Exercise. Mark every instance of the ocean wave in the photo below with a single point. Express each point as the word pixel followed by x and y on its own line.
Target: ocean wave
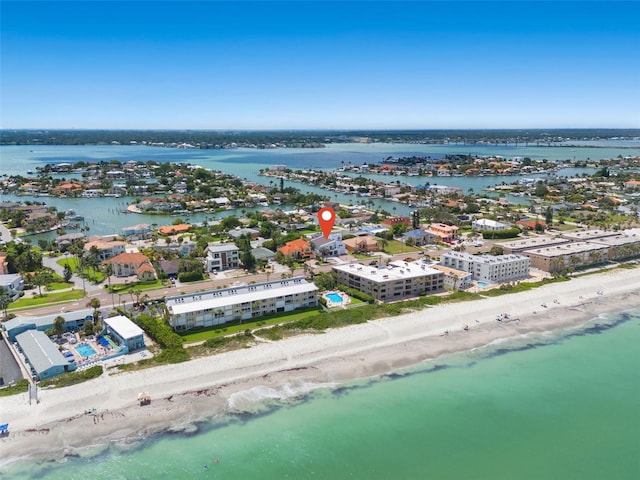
pixel 261 396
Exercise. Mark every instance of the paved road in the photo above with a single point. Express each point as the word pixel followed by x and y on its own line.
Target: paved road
pixel 5 235
pixel 224 279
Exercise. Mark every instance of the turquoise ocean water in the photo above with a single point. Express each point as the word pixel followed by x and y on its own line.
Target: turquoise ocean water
pixel 565 406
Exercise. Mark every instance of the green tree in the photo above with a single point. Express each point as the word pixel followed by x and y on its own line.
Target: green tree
pixel 548 215
pixel 5 300
pixel 95 304
pixel 248 260
pixel 67 273
pixel 88 327
pixel 40 278
pixel 540 190
pixel 58 325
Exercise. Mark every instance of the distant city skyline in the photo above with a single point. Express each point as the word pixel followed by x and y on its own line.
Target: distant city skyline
pixel 319 65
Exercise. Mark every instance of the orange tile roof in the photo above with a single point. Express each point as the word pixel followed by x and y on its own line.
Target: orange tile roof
pixel 294 246
pixel 129 258
pixel 145 267
pixel 169 229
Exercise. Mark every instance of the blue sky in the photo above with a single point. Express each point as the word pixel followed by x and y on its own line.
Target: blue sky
pixel 325 65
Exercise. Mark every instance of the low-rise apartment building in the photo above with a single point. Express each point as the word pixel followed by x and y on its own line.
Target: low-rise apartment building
pixel 489 268
pixel 222 256
pixel 215 307
pixel 568 255
pixel 397 281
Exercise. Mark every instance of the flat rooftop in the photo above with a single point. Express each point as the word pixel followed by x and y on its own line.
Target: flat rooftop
pixel 219 299
pixel 394 271
pixel 589 234
pixel 567 249
pixel 123 326
pixel 533 242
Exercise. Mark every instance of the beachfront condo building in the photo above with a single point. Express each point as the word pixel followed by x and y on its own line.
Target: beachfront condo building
pixel 215 307
pixel 569 255
pixel 126 334
pixel 42 355
pixel 489 268
pixel 396 281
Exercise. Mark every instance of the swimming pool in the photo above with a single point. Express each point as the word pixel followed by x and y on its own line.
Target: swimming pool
pixel 483 284
pixel 85 350
pixel 334 297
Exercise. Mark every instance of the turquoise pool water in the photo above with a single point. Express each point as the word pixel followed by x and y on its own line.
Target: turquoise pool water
pixel 85 350
pixel 334 297
pixel 483 284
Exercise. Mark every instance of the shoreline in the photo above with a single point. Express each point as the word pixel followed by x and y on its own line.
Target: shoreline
pixel 186 394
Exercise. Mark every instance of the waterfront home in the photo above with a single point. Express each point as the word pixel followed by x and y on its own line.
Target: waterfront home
pixel 489 268
pixel 240 232
pixel 137 232
pixel 222 256
pixel 12 284
pixel 395 281
pixel 215 307
pixel 67 239
pixel 127 264
pixel 299 248
pixel 92 193
pixel 104 249
pixel 390 222
pixel 39 221
pixel 174 229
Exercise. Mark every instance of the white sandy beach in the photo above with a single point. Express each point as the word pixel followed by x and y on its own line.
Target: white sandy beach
pixel 199 389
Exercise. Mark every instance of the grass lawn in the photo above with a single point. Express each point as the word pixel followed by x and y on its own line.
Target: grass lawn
pixel 46 298
pixel 227 329
pixel 91 274
pixel 394 246
pixel 129 287
pixel 59 285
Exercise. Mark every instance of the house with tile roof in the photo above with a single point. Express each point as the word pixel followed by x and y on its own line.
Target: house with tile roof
pixel 128 264
pixel 299 248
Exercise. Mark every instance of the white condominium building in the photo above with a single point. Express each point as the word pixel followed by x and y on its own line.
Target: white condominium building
pixel 489 268
pixel 396 281
pixel 215 307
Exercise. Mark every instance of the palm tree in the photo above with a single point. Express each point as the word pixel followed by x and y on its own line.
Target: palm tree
pixel 58 325
pixel 95 304
pixel 5 300
pixel 107 269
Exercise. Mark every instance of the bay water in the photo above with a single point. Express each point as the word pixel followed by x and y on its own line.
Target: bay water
pixel 564 405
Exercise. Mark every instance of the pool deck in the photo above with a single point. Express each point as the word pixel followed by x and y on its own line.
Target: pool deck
pixel 331 304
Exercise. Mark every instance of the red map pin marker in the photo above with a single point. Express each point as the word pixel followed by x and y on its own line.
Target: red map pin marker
pixel 326 219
